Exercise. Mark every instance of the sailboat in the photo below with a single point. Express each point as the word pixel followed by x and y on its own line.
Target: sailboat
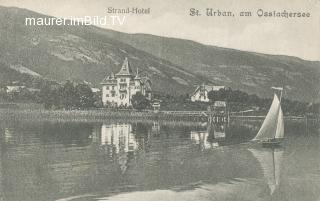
pixel 270 162
pixel 272 129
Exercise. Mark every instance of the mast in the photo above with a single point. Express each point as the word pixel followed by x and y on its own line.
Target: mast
pixel 274 166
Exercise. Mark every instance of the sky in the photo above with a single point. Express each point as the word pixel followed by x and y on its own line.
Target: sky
pixel 294 37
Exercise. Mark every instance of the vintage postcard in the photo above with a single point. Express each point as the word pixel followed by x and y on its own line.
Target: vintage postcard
pixel 150 100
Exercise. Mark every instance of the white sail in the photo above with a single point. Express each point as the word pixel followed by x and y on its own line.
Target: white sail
pixel 270 162
pixel 269 126
pixel 280 125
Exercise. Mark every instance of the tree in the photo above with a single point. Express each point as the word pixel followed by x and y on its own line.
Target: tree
pixel 69 96
pixel 220 95
pixel 3 92
pixel 86 96
pixel 50 96
pixel 213 95
pixel 139 101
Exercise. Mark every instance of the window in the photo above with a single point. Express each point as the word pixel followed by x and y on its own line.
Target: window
pixel 122 96
pixel 107 87
pixel 107 95
pixel 112 87
pixel 123 86
pixel 113 95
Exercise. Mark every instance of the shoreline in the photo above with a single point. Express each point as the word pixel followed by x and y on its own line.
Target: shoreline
pixel 105 115
pixel 96 115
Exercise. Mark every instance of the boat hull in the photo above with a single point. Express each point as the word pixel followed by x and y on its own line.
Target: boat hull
pixel 271 142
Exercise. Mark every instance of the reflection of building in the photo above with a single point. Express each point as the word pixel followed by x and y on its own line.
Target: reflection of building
pixel 201 92
pixel 219 131
pixel 212 137
pixel 118 89
pixel 120 142
pixel 155 129
pixel 201 138
pixel 119 137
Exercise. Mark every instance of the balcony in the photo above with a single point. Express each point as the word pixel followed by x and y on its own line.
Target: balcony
pixel 123 90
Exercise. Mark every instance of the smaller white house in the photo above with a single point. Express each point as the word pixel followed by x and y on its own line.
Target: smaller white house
pixel 201 92
pixel 14 89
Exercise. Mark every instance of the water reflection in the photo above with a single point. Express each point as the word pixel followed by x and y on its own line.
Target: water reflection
pixel 218 135
pixel 68 134
pixel 270 160
pixel 119 141
pixel 209 138
pixel 118 138
pixel 155 129
pixel 154 161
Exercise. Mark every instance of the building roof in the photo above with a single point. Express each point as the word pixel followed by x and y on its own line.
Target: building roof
pixel 147 83
pixel 213 88
pixel 208 88
pixel 127 71
pixel 109 80
pixel 125 68
pixel 137 77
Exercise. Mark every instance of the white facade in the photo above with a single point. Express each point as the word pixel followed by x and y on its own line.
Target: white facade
pixel 14 89
pixel 201 92
pixel 118 89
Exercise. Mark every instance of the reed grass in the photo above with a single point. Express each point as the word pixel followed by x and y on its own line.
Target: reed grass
pixel 94 115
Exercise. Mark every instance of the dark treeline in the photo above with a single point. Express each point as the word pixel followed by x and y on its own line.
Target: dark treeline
pixel 237 101
pixel 72 95
pixel 68 96
pixel 54 96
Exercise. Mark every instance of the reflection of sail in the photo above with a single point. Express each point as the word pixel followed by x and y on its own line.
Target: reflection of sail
pixel 271 122
pixel 270 161
pixel 1 166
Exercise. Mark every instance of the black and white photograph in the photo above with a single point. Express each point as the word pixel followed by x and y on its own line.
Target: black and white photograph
pixel 149 100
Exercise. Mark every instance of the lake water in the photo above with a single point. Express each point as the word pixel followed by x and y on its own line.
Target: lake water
pixel 156 161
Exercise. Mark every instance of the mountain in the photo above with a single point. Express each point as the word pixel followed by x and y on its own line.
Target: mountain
pixel 248 71
pixel 79 53
pixel 174 65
